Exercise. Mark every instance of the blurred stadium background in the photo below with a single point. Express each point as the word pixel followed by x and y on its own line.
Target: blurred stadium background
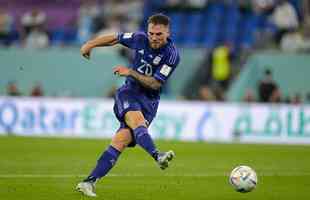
pixel 243 79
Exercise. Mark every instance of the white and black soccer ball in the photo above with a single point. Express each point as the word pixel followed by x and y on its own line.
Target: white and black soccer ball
pixel 243 179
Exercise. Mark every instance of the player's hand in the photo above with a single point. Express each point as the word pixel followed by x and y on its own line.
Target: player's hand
pixel 85 51
pixel 121 71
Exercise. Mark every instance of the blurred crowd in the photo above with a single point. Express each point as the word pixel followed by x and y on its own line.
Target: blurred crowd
pixel 92 17
pixel 269 91
pixel 12 89
pixel 284 28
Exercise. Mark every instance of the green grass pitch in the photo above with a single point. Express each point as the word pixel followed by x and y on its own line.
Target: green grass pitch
pixel 49 168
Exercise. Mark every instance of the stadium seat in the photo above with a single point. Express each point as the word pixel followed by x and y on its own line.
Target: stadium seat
pixel 231 20
pixel 14 36
pixel 70 36
pixel 210 28
pixel 193 29
pixel 247 28
pixel 176 26
pixel 57 36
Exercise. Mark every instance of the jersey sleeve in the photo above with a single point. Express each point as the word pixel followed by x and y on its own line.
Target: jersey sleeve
pixel 131 40
pixel 165 70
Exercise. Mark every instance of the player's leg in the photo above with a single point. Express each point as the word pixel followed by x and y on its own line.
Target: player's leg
pixel 136 121
pixel 109 157
pixel 129 110
pixel 106 161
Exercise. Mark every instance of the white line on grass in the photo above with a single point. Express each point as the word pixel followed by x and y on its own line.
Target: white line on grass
pixel 145 175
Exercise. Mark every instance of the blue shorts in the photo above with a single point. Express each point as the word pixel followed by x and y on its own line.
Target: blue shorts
pixel 128 99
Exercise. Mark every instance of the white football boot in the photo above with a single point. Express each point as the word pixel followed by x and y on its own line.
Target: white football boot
pixel 164 159
pixel 86 188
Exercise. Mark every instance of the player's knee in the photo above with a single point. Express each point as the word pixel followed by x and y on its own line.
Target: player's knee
pixel 121 140
pixel 134 119
pixel 119 143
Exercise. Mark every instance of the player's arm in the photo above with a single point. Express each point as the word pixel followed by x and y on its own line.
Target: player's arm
pixel 146 81
pixel 100 41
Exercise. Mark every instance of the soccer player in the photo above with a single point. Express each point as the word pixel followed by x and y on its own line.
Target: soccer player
pixel 136 102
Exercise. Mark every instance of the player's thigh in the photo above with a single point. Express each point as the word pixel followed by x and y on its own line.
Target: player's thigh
pixel 134 119
pixel 125 100
pixel 121 139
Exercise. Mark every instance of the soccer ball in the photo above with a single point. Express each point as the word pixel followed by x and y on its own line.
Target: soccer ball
pixel 243 179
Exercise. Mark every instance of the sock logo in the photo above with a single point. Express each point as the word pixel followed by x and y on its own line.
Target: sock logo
pixel 126 105
pixel 112 161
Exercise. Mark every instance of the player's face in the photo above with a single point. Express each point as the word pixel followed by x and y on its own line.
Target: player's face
pixel 157 34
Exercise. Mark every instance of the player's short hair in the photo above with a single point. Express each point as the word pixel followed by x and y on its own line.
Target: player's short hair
pixel 159 19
